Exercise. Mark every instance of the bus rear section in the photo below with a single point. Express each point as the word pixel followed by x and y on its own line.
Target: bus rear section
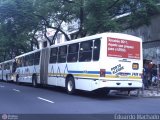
pixel 120 62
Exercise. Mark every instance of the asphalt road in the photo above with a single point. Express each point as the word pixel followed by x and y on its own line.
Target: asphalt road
pixel 24 99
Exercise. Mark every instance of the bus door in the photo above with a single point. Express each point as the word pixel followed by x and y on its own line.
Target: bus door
pixel 44 66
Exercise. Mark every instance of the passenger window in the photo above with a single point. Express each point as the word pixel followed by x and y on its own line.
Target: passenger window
pixel 73 52
pixel 7 66
pixel 62 54
pixel 26 59
pixel 18 62
pixel 86 51
pixel 14 66
pixel 96 49
pixel 21 62
pixel 31 59
pixel 53 55
pixel 36 58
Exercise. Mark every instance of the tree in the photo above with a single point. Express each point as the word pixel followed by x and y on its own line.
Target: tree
pixel 96 16
pixel 53 12
pixel 103 14
pixel 16 25
pixel 20 20
pixel 140 12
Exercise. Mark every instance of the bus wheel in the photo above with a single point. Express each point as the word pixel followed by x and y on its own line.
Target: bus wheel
pixel 34 81
pixel 6 78
pixel 17 82
pixel 70 85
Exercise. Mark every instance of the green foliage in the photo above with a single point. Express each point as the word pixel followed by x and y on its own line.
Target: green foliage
pixel 99 16
pixel 141 12
pixel 102 14
pixel 16 22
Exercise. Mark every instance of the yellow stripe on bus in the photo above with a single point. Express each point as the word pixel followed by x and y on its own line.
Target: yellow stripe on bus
pixel 96 76
pixel 87 75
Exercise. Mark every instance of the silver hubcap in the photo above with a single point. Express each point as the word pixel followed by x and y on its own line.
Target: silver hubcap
pixel 70 86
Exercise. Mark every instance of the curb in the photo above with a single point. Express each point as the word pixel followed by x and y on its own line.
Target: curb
pixel 147 94
pixel 142 94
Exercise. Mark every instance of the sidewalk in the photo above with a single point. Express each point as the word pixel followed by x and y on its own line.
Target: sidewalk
pixel 151 92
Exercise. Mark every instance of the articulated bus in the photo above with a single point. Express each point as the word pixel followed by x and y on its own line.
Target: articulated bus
pixel 104 61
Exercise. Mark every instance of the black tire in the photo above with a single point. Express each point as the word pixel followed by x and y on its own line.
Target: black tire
pixel 70 85
pixel 17 82
pixel 6 78
pixel 34 81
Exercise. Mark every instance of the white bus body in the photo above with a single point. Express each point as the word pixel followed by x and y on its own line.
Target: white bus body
pixel 119 65
pixel 27 67
pixel 107 60
pixel 6 70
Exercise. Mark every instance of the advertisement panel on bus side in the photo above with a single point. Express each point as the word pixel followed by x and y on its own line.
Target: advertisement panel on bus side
pixel 122 48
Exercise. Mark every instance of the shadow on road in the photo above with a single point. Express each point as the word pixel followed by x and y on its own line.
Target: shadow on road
pixel 80 93
pixel 109 96
pixel 90 95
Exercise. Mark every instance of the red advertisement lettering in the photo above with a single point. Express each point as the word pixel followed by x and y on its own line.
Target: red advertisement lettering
pixel 123 48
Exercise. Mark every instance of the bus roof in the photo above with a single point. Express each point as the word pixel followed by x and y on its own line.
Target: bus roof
pixel 8 61
pixel 28 53
pixel 110 34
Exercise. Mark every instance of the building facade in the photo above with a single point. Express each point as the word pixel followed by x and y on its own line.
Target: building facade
pixel 151 39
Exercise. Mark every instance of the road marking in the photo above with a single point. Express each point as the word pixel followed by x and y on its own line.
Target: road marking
pixel 16 90
pixel 2 86
pixel 45 100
